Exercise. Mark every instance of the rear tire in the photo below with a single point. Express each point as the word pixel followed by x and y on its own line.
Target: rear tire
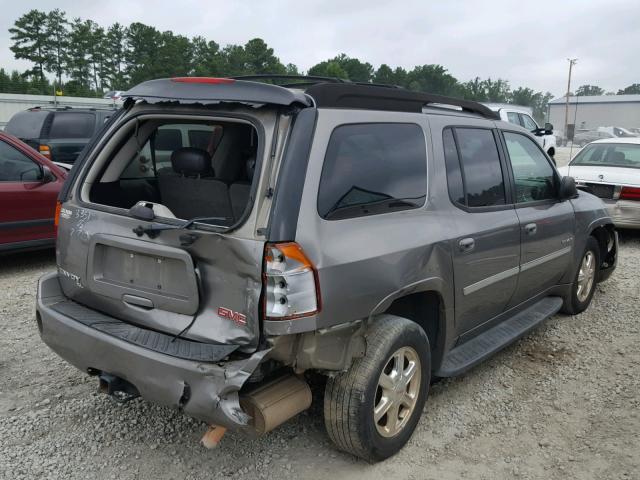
pixel 585 280
pixel 372 409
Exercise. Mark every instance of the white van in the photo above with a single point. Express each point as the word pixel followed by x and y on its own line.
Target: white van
pixel 523 116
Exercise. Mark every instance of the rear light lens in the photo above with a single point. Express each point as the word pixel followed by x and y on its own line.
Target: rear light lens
pixel 630 193
pixel 44 150
pixel 290 283
pixel 210 80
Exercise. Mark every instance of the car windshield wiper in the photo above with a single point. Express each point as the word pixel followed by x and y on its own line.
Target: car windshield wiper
pixel 155 229
pixel 391 202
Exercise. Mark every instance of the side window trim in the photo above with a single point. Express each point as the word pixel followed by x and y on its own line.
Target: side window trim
pixel 506 177
pixel 512 179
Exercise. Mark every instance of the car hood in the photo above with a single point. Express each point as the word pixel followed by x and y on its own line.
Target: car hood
pixel 609 175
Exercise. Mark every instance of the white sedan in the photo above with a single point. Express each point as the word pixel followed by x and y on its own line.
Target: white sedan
pixel 610 169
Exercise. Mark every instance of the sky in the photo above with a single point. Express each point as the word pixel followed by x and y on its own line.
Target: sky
pixel 524 42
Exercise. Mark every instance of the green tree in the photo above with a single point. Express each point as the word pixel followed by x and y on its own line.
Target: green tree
pixel 345 67
pixel 29 36
pixel 497 90
pixel 173 56
pixel 206 59
pixel 141 56
pixel 630 90
pixel 114 56
pixel 589 90
pixel 433 79
pixel 55 49
pixel 291 69
pixel 474 90
pixel 79 59
pixel 259 58
pixel 234 60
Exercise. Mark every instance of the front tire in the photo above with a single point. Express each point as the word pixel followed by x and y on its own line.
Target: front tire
pixel 584 283
pixel 372 409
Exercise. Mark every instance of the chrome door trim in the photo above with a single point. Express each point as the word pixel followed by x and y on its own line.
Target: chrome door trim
pixel 474 287
pixel 546 258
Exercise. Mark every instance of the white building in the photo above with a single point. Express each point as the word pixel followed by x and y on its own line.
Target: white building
pixel 596 111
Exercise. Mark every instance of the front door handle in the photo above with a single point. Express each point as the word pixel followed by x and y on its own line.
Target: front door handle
pixel 531 228
pixel 466 244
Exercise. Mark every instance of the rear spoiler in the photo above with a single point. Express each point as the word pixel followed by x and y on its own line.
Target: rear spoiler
pixel 209 90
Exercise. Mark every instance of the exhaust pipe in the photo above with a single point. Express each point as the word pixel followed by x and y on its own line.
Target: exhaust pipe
pixel 275 402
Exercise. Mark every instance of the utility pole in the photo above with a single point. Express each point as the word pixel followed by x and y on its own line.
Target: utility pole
pixel 572 62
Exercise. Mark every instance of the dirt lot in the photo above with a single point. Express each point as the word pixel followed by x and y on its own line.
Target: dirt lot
pixel 563 403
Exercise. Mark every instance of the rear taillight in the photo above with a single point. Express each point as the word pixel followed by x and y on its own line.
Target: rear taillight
pixel 56 217
pixel 44 150
pixel 630 193
pixel 291 288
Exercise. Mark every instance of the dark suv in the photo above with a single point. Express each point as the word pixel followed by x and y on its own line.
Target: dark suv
pixel 221 239
pixel 59 134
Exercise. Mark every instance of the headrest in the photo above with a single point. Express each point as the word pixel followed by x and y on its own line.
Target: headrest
pixel 191 162
pixel 250 167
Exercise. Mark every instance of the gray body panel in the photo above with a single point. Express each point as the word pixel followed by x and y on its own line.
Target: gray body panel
pixel 363 264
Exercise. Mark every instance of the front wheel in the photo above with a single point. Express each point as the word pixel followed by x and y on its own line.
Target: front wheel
pixel 584 283
pixel 372 409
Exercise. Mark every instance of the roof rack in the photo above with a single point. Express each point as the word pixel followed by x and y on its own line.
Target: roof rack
pixel 373 97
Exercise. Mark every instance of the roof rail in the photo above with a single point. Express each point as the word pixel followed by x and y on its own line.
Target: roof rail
pixel 373 97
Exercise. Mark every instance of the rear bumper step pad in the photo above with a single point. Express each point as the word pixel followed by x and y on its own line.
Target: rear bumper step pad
pixel 156 341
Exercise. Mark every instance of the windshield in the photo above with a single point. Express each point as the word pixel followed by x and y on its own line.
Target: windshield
pixel 609 155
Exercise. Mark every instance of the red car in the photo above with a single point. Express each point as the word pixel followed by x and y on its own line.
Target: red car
pixel 29 186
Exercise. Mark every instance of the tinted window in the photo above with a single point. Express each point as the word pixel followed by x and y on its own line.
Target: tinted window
pixel 72 125
pixel 534 177
pixel 371 169
pixel 27 125
pixel 168 139
pixel 454 176
pixel 17 167
pixel 481 170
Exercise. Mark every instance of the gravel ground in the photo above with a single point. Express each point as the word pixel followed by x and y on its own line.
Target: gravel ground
pixel 563 403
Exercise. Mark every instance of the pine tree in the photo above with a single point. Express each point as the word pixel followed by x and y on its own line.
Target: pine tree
pixel 29 36
pixel 55 49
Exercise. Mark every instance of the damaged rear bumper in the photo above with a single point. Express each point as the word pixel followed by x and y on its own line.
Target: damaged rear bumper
pixel 206 391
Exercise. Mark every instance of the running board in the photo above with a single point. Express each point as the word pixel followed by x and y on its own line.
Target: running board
pixel 472 352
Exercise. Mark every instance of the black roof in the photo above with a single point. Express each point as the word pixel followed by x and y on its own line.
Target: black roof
pixel 206 90
pixel 345 95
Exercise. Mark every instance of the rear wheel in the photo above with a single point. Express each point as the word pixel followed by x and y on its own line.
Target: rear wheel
pixel 372 409
pixel 584 283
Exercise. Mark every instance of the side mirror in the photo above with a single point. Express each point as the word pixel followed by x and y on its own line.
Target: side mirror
pixel 568 188
pixel 548 127
pixel 47 175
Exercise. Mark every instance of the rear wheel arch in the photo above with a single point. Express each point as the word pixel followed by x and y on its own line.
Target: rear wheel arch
pixel 427 309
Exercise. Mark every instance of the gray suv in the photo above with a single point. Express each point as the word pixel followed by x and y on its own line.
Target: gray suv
pixel 223 241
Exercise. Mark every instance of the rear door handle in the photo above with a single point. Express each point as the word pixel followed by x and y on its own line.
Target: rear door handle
pixel 531 228
pixel 466 244
pixel 138 301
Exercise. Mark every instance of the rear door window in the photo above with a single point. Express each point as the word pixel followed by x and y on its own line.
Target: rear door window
pixel 370 169
pixel 27 125
pixel 72 125
pixel 481 169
